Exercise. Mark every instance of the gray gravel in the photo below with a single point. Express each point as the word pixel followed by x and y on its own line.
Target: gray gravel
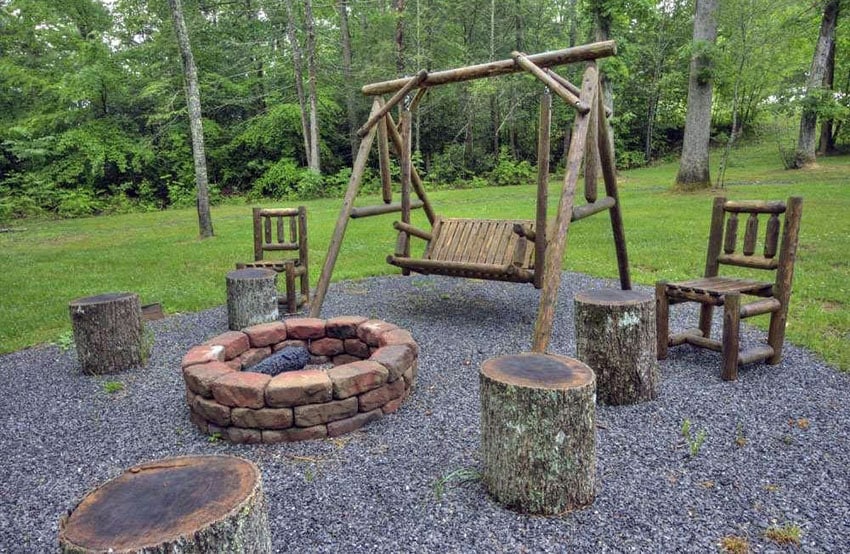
pixel 63 434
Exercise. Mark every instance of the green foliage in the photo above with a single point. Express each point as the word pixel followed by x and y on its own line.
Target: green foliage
pixel 694 441
pixel 65 341
pixel 458 476
pixel 113 387
pixel 279 181
pixel 788 534
pixel 509 172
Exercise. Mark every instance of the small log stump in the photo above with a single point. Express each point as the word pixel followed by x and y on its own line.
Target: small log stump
pixel 538 434
pixel 251 297
pixel 108 332
pixel 615 336
pixel 190 504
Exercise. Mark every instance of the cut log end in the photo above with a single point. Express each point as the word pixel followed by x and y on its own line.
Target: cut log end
pixel 250 273
pixel 539 371
pixel 166 502
pixel 101 298
pixel 611 297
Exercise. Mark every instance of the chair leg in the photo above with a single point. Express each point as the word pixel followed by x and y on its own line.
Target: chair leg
pixel 305 286
pixel 662 323
pixel 731 335
pixel 291 304
pixel 776 333
pixel 705 313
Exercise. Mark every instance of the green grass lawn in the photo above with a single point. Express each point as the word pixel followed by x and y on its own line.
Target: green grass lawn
pixel 158 256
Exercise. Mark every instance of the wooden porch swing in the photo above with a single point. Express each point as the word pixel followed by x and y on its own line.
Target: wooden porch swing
pixel 514 250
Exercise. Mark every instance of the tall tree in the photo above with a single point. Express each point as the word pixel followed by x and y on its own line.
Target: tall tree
pixel 193 101
pixel 805 153
pixel 292 37
pixel 348 85
pixel 315 164
pixel 693 166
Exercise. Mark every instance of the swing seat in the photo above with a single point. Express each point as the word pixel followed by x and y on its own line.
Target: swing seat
pixel 491 249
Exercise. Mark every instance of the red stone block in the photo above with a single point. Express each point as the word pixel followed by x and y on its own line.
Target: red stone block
pixel 344 327
pixel 199 377
pixel 264 418
pixel 380 396
pixel 199 421
pixel 305 328
pixel 203 354
pixel 235 364
pixel 349 424
pixel 212 411
pixel 345 359
pixel 357 347
pixel 266 334
pixel 234 343
pixel 392 406
pixel 317 414
pixel 326 347
pixel 399 336
pixel 370 331
pixel 295 388
pixel 244 436
pixel 253 356
pixel 411 373
pixel 241 389
pixel 397 358
pixel 295 434
pixel 357 377
pixel 289 342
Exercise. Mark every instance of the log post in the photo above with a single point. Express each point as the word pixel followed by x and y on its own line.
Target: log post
pixel 615 336
pixel 184 504
pixel 108 332
pixel 252 297
pixel 538 440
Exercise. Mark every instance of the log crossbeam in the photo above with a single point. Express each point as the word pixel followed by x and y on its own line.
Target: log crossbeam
pixel 411 84
pixel 565 93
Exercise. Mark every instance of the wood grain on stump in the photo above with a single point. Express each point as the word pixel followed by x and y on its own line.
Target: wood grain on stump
pixel 108 332
pixel 538 435
pixel 615 336
pixel 189 504
pixel 251 297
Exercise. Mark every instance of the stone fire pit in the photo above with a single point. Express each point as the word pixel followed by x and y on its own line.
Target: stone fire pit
pixel 374 368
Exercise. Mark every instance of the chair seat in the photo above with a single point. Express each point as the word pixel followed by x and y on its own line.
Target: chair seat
pixel 712 289
pixel 278 265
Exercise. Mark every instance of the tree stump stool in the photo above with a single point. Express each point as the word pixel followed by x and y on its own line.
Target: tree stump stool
pixel 191 504
pixel 615 336
pixel 251 297
pixel 538 434
pixel 108 332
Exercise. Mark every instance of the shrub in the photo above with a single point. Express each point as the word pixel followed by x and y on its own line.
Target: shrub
pixel 509 172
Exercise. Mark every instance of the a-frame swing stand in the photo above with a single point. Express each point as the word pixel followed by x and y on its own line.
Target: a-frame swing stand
pixel 523 251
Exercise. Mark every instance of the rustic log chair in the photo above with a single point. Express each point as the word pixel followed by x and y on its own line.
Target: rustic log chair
pixel 295 221
pixel 713 290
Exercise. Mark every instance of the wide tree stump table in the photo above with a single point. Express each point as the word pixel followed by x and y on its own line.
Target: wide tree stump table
pixel 615 336
pixel 538 433
pixel 191 504
pixel 108 332
pixel 251 297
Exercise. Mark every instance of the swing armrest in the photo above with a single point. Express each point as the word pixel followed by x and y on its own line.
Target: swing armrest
pixel 411 230
pixel 524 231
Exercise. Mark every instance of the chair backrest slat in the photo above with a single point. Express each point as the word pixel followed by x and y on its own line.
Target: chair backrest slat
pixel 270 231
pixel 731 233
pixel 751 234
pixel 771 239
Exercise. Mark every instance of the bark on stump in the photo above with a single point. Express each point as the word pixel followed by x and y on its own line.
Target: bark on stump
pixel 108 332
pixel 538 434
pixel 251 297
pixel 615 336
pixel 191 504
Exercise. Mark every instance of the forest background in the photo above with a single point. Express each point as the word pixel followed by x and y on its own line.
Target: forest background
pixel 93 112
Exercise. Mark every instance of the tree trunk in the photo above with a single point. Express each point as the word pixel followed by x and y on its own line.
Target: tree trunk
pixel 184 504
pixel 805 153
pixel 693 166
pixel 398 8
pixel 315 165
pixel 108 332
pixel 826 144
pixel 538 432
pixel 299 81
pixel 350 104
pixel 193 101
pixel 251 297
pixel 615 336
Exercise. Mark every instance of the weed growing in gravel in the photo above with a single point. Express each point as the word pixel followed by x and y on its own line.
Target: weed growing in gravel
pixel 112 387
pixel 462 475
pixel 734 545
pixel 790 533
pixel 694 441
pixel 214 438
pixel 65 341
pixel 740 438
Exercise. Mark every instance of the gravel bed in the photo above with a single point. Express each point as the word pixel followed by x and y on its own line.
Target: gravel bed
pixel 406 482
